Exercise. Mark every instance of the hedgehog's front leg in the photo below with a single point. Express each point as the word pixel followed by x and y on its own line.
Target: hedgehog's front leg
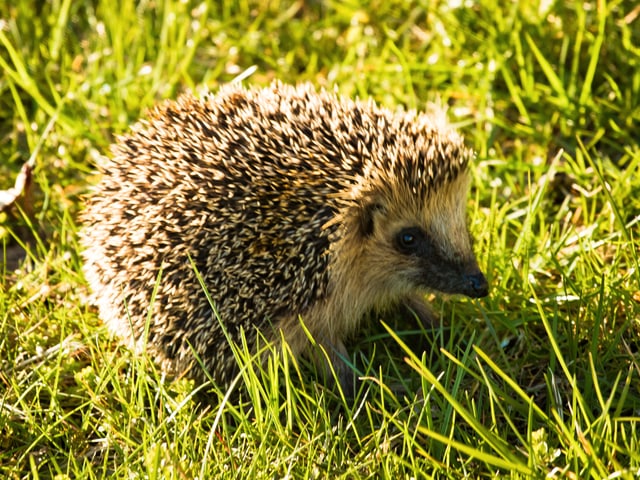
pixel 331 358
pixel 325 349
pixel 417 306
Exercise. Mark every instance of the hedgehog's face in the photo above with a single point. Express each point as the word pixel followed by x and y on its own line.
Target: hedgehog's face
pixel 412 247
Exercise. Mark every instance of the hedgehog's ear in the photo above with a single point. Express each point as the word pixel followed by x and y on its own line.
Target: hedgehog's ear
pixel 366 217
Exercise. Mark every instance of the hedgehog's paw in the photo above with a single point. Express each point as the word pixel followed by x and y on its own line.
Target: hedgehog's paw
pixel 342 371
pixel 333 365
pixel 423 329
pixel 418 307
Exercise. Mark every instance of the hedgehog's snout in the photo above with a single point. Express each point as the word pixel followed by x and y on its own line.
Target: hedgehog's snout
pixel 477 285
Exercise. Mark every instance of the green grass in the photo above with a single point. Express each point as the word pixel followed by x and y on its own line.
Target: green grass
pixel 541 378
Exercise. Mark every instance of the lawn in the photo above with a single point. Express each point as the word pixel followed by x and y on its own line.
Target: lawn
pixel 540 379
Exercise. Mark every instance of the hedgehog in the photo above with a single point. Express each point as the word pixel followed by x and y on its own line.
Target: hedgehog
pixel 293 211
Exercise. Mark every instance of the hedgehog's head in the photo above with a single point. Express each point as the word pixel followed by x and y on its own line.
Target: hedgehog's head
pixel 408 218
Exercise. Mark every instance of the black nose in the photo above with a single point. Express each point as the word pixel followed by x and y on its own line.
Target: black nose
pixel 477 284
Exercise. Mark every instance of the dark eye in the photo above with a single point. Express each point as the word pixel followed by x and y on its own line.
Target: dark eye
pixel 408 240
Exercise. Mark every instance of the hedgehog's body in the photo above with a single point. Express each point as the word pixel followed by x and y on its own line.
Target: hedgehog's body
pixel 291 204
